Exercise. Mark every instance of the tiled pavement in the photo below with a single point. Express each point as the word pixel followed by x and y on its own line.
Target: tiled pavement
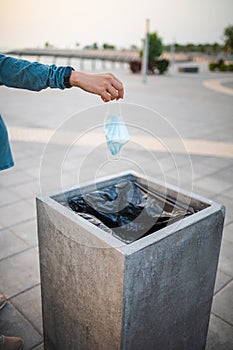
pixel 196 112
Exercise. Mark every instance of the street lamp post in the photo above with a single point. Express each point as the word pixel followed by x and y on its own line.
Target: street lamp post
pixel 145 52
pixel 172 54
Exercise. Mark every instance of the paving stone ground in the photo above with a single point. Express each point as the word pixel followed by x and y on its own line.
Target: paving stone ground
pixel 204 121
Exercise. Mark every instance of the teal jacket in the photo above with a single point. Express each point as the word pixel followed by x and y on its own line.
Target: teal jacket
pixel 22 74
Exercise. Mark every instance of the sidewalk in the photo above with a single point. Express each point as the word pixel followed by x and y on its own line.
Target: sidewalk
pixel 203 118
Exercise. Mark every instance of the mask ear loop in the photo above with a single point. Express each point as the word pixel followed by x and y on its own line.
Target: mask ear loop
pixel 120 110
pixel 118 156
pixel 110 157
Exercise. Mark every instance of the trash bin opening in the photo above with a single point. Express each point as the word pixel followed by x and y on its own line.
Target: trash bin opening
pixel 128 209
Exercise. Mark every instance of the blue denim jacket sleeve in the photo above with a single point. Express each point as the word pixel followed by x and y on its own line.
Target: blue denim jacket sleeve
pixel 34 76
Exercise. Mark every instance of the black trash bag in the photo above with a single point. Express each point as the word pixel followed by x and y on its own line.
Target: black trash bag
pixel 92 219
pixel 129 209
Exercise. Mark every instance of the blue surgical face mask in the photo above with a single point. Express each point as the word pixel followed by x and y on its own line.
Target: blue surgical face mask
pixel 116 133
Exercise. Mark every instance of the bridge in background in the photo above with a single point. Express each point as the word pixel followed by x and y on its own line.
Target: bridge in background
pixel 103 55
pixel 121 56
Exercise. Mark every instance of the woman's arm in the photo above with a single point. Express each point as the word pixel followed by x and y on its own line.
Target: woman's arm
pixel 35 76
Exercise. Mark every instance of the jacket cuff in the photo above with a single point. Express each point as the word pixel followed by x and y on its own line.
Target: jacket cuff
pixel 67 74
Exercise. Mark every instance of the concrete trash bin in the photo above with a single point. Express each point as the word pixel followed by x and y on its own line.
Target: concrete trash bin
pixel 100 293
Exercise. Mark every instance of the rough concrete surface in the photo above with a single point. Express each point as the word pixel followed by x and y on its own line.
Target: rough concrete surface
pixel 154 292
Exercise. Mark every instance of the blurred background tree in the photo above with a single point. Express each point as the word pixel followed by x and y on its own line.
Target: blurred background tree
pixel 155 48
pixel 94 46
pixel 228 34
pixel 133 47
pixel 154 52
pixel 107 46
pixel 207 48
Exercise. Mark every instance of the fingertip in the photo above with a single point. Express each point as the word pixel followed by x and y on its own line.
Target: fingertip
pixel 105 100
pixel 121 95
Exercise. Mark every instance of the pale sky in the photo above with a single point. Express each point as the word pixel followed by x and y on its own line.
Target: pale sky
pixel 30 23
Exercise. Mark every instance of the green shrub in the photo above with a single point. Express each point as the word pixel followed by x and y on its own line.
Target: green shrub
pixel 221 66
pixel 162 65
pixel 212 66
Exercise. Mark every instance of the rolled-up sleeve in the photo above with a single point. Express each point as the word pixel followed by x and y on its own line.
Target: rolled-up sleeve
pixel 33 76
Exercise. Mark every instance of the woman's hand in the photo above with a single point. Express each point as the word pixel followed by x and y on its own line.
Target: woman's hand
pixel 106 85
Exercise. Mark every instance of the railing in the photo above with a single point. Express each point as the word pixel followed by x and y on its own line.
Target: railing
pixel 104 55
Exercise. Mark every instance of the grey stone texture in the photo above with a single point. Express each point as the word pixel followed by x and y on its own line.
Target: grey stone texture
pixel 40 347
pixel 29 304
pixel 15 213
pixel 228 233
pixel 11 244
pixel 100 293
pixel 13 323
pixel 225 260
pixel 221 304
pixel 220 336
pixel 27 232
pixel 85 311
pixel 19 272
pixel 222 280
